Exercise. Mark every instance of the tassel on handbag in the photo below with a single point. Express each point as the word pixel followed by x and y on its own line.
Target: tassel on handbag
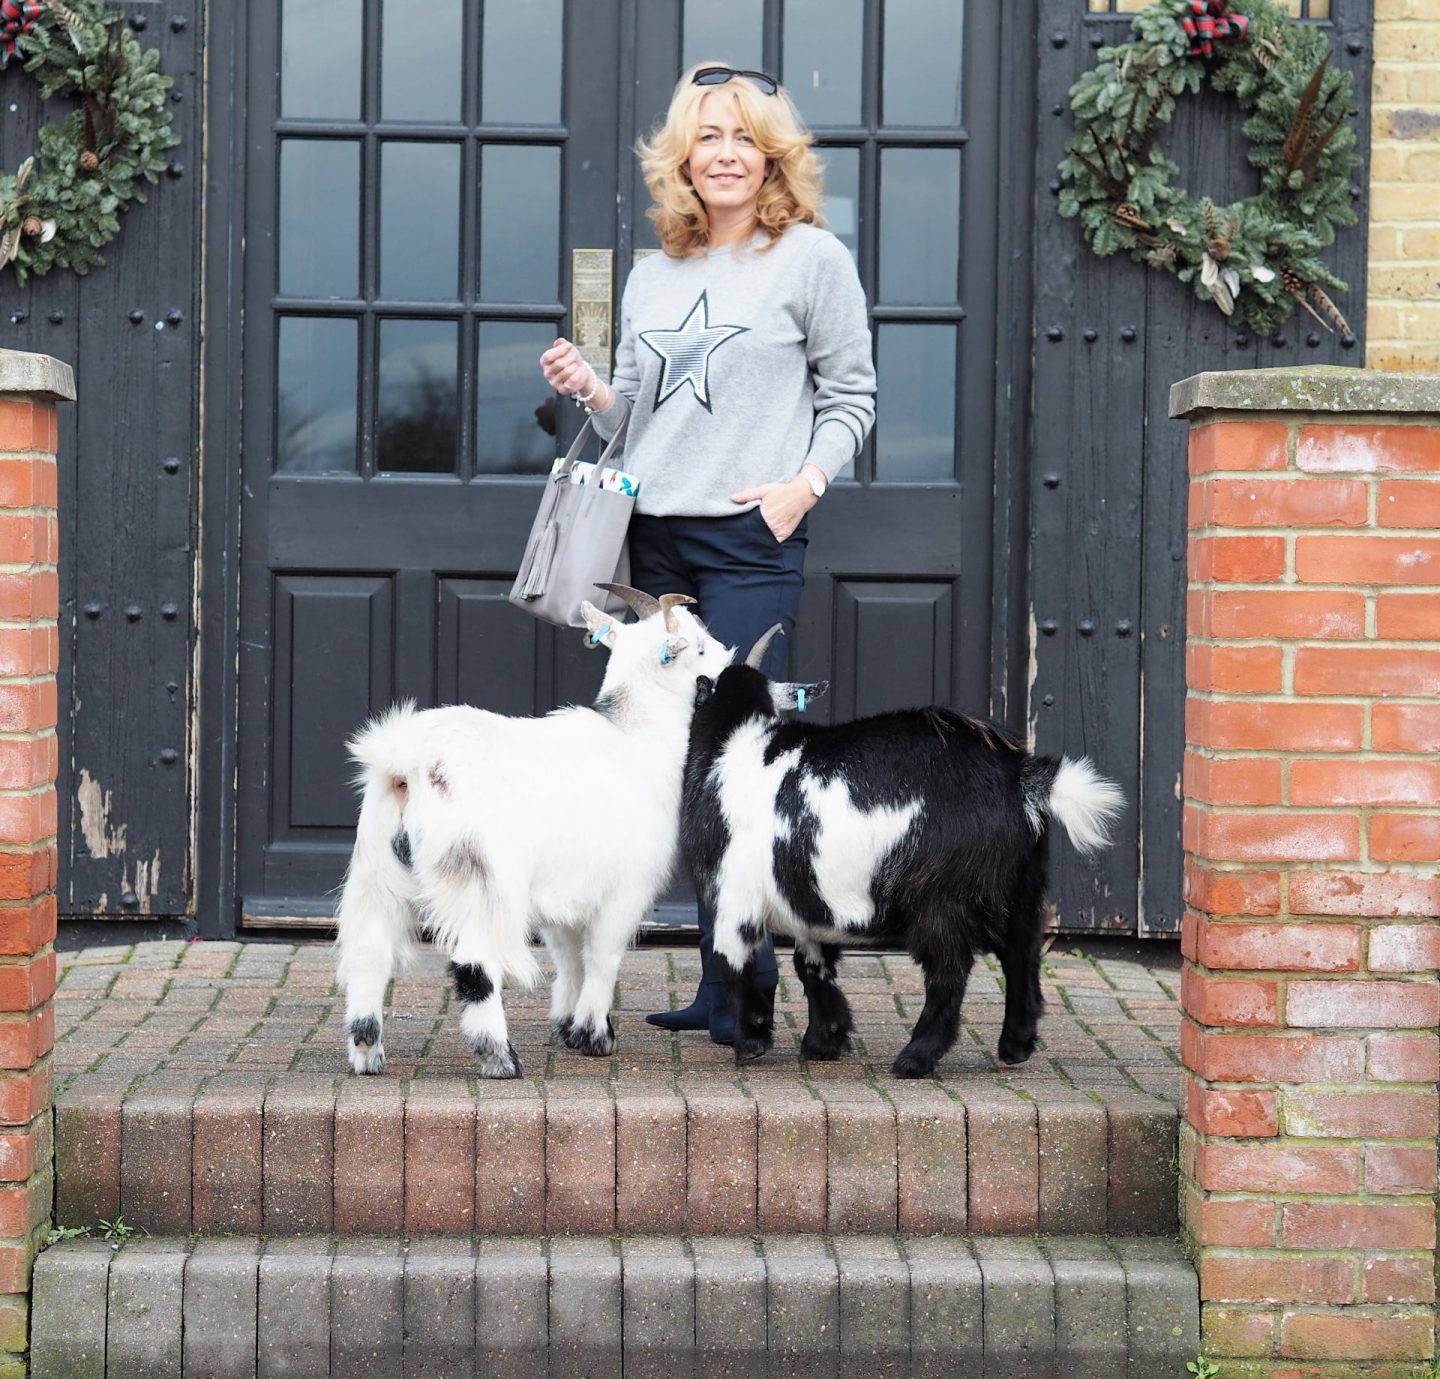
pixel 538 569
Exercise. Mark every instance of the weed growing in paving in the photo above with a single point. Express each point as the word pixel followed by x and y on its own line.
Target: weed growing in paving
pixel 68 1233
pixel 1202 1367
pixel 119 1231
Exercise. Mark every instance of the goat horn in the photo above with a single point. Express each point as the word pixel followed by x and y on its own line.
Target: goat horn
pixel 643 605
pixel 757 652
pixel 669 601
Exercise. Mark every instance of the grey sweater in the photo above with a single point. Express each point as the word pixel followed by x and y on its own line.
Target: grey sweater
pixel 736 368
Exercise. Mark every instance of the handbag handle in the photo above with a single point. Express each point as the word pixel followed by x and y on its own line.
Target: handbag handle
pixel 578 444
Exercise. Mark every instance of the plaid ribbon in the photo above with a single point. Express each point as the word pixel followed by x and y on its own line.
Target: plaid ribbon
pixel 1207 21
pixel 17 18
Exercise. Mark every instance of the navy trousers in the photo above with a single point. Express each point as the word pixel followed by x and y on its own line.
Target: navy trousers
pixel 745 581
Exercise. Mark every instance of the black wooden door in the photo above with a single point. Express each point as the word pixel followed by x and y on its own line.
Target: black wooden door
pixel 408 258
pixel 1108 471
pixel 417 180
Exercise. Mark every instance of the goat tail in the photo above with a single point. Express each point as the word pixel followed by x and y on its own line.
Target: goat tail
pixel 1076 795
pixel 382 748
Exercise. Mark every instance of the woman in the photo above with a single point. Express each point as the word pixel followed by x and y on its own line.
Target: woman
pixel 744 369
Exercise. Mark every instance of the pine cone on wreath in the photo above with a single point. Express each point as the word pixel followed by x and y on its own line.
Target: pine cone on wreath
pixel 1126 214
pixel 32 225
pixel 89 161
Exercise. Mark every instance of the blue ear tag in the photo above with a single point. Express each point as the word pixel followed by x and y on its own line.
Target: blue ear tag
pixel 800 699
pixel 665 656
pixel 594 639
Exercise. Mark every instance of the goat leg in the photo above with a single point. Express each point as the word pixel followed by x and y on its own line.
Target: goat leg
pixel 1023 1004
pixel 939 1023
pixel 752 1005
pixel 827 1036
pixel 482 1020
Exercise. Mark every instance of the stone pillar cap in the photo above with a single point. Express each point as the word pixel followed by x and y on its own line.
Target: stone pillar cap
pixel 36 375
pixel 1319 388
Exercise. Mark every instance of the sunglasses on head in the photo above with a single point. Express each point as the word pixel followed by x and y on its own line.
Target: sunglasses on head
pixel 718 76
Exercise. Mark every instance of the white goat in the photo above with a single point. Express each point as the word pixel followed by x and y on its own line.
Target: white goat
pixel 482 830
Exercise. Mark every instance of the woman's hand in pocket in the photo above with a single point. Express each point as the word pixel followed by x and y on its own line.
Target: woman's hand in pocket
pixel 781 505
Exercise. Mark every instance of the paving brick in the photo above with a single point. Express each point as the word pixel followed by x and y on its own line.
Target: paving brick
pixel 293 1310
pixel 864 1189
pixel 1143 1192
pixel 68 1311
pixel 87 1153
pixel 792 1164
pixel 1019 1308
pixel 369 1155
pixel 226 1151
pixel 1162 1302
pixel 649 1163
pixel 1003 1163
pixel 658 1322
pixel 1090 1327
pixel 1073 1153
pixel 946 1331
pixel 155 1155
pixel 220 1308
pixel 439 1157
pixel 142 1334
pixel 299 1154
pixel 730 1307
pixel 580 1163
pixel 874 1283
pixel 512 1309
pixel 585 1308
pixel 804 1311
pixel 367 1309
pixel 440 1306
pixel 931 1182
pixel 509 1165
pixel 721 1176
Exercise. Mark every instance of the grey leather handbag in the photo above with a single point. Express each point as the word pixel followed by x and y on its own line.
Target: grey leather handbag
pixel 576 543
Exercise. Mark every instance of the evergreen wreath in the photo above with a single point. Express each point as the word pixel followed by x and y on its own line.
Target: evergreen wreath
pixel 64 204
pixel 1258 258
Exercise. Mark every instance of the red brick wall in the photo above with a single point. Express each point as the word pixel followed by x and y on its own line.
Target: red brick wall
pixel 29 648
pixel 1312 833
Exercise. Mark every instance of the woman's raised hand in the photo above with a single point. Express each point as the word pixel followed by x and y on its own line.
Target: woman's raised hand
pixel 565 370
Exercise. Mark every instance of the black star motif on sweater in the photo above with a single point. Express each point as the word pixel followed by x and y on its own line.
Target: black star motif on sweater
pixel 685 353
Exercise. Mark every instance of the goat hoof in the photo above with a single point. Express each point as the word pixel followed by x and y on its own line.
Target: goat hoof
pixel 1016 1051
pixel 748 1048
pixel 367 1060
pixel 826 1047
pixel 595 1043
pixel 494 1063
pixel 911 1065
pixel 563 1028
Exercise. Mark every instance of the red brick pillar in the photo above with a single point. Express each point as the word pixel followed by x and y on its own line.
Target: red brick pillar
pixel 30 386
pixel 1311 835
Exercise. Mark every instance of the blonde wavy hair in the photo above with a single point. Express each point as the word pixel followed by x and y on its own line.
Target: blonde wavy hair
pixel 792 190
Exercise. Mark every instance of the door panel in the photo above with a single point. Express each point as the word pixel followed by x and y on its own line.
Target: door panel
pixel 411 216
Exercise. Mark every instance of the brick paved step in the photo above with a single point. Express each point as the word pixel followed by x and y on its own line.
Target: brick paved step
pixel 295 1153
pixel 833 1305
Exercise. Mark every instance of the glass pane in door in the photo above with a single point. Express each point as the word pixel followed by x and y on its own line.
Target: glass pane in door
pixel 420 47
pixel 417 422
pixel 923 43
pixel 521 61
pixel 516 413
pixel 320 63
pixel 824 43
pixel 732 32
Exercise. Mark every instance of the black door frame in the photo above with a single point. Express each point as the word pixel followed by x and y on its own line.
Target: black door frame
pixel 222 362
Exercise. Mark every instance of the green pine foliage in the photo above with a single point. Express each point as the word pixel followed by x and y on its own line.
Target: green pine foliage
pixel 121 118
pixel 1257 258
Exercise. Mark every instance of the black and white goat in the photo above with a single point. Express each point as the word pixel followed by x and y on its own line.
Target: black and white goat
pixel 483 830
pixel 922 829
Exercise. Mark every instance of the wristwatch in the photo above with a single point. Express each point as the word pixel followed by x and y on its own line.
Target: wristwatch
pixel 817 484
